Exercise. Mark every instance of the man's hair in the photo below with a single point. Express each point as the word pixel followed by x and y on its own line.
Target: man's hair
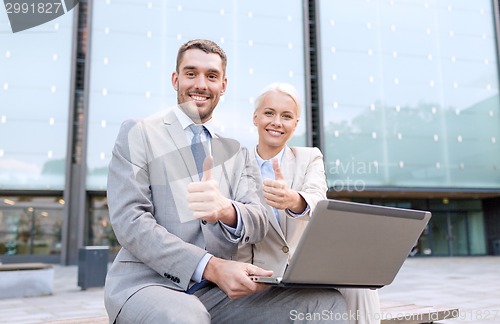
pixel 285 88
pixel 206 46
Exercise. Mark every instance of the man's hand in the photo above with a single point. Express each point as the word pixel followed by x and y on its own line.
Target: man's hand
pixel 279 196
pixel 207 202
pixel 232 277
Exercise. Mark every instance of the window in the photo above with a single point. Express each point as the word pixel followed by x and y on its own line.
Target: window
pixel 132 61
pixel 34 104
pixel 410 94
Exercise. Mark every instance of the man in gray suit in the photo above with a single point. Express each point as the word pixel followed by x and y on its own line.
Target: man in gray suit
pixel 179 223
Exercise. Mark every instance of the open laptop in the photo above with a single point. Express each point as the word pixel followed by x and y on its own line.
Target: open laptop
pixel 350 244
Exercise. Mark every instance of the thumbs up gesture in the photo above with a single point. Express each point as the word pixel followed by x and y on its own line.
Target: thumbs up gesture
pixel 208 165
pixel 279 196
pixel 206 201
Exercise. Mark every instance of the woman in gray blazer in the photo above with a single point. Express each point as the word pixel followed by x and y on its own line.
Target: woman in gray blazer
pixel 293 183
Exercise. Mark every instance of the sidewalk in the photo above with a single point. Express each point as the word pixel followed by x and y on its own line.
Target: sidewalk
pixel 67 301
pixel 471 284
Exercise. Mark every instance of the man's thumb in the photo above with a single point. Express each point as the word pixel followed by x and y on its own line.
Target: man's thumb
pixel 277 171
pixel 208 164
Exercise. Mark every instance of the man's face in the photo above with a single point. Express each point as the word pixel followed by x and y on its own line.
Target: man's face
pixel 200 82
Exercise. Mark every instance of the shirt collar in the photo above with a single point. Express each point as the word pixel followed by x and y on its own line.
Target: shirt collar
pixel 186 121
pixel 261 161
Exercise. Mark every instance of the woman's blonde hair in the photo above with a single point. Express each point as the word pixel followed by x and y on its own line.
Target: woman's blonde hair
pixel 285 88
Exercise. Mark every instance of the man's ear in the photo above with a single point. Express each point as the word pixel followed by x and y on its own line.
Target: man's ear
pixel 175 81
pixel 224 86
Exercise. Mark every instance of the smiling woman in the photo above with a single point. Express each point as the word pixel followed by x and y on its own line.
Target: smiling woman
pixel 276 115
pixel 293 183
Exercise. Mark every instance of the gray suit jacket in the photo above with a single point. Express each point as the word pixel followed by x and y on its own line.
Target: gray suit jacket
pixel 304 171
pixel 150 168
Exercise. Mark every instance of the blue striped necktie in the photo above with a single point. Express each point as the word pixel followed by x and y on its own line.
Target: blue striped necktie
pixel 197 147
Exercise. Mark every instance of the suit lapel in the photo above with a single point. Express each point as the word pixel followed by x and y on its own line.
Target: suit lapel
pixel 270 211
pixel 274 221
pixel 219 155
pixel 178 136
pixel 223 151
pixel 288 166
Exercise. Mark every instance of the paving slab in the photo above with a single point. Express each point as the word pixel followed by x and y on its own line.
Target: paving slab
pixel 471 284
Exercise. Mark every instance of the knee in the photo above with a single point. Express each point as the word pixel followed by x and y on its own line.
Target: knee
pixel 325 300
pixel 326 305
pixel 333 298
pixel 150 306
pixel 195 315
pixel 167 315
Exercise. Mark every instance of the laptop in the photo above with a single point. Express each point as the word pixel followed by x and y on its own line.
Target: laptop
pixel 352 245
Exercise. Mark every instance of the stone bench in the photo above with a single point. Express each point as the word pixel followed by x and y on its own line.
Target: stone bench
pixel 390 313
pixel 394 313
pixel 26 280
pixel 82 320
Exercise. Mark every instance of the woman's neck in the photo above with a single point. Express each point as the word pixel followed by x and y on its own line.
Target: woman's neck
pixel 267 152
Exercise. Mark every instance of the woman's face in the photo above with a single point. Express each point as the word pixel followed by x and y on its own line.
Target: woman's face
pixel 276 119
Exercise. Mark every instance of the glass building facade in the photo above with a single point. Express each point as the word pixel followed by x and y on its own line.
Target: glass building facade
pixel 412 93
pixel 402 97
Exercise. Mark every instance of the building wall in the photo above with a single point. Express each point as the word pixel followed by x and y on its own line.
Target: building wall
pixel 403 84
pixel 408 92
pixel 491 209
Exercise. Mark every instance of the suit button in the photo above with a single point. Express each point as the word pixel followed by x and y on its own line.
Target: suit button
pixel 285 249
pixel 204 222
pixel 247 239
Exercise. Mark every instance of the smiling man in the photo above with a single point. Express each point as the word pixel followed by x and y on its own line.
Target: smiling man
pixel 175 264
pixel 199 90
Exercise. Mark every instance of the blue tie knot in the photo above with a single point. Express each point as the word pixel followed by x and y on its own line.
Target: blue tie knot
pixel 197 130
